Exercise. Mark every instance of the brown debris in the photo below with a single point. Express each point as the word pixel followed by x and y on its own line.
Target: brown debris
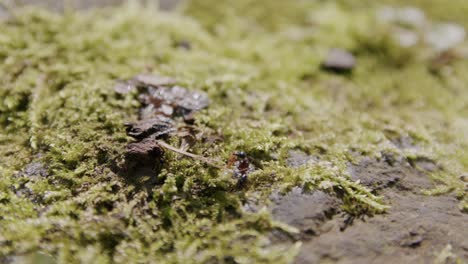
pixel 441 60
pixel 155 127
pixel 144 152
pixel 163 103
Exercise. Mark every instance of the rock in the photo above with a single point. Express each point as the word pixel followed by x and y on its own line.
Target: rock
pixel 297 158
pixel 36 257
pixel 425 164
pixel 406 38
pixel 305 211
pixel 445 36
pixel 173 101
pixel 412 240
pixel 339 61
pixel 4 14
pixel 403 142
pixel 35 169
pixel 184 44
pixel 160 97
pixel 124 87
pixel 168 5
pixel 411 230
pixel 408 16
pixel 191 100
pixel 180 98
pixel 376 175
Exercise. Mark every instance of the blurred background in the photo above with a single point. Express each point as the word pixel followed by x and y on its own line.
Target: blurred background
pixel 82 4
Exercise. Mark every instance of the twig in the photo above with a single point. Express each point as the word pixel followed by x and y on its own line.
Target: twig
pixel 211 162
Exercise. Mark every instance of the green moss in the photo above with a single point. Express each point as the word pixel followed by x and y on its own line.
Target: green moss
pixel 262 73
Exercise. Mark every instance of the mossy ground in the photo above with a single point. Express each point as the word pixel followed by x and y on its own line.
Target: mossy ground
pixel 259 61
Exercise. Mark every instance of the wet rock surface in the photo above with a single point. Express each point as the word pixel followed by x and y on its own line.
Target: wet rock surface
pixel 339 61
pixel 35 169
pixel 155 127
pixel 414 230
pixel 381 175
pixel 297 159
pixel 308 212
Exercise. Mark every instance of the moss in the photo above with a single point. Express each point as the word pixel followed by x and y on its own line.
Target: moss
pixel 268 95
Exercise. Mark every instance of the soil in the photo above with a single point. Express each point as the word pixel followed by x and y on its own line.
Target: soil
pixel 414 230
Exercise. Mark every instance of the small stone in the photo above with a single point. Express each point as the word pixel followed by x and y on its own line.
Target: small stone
pixel 297 159
pixel 194 101
pixel 167 110
pixel 412 240
pixel 35 169
pixel 339 61
pixel 308 212
pixel 148 112
pixel 184 44
pixel 124 87
pixel 406 38
pixel 445 36
pixel 183 100
pixel 154 80
pixel 425 164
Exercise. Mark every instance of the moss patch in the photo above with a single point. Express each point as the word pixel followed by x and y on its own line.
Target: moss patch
pixel 269 96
